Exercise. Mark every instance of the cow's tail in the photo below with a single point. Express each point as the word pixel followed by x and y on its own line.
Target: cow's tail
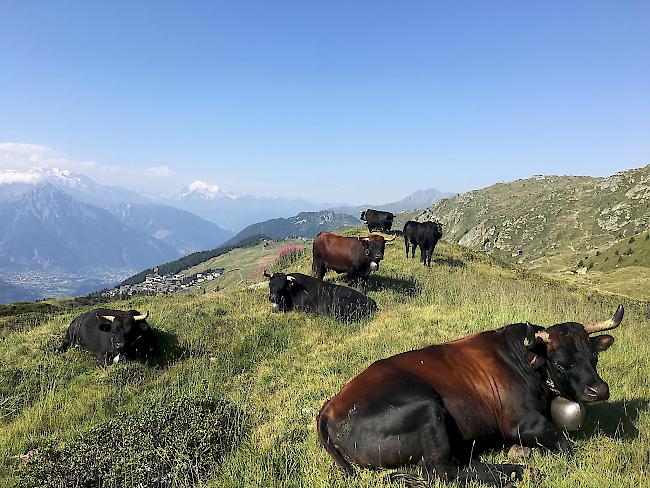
pixel 323 433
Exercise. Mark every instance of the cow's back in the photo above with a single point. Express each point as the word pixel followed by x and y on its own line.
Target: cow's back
pixel 468 374
pixel 84 331
pixel 340 301
pixel 335 251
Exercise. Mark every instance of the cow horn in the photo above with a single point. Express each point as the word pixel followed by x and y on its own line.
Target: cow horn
pixel 543 335
pixel 140 318
pixel 266 273
pixel 110 318
pixel 291 278
pixel 609 324
pixel 389 240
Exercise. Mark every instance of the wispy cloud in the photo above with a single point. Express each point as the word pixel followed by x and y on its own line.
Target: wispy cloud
pixel 17 159
pixel 163 171
pixel 12 176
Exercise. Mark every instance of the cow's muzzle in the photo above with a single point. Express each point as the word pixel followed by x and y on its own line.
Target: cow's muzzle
pixel 596 392
pixel 374 265
pixel 275 307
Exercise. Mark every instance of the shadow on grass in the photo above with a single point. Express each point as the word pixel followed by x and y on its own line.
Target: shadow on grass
pixel 451 262
pixel 615 419
pixel 167 351
pixel 404 285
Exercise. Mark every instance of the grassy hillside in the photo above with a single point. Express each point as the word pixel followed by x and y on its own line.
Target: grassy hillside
pixel 557 224
pixel 232 399
pixel 244 265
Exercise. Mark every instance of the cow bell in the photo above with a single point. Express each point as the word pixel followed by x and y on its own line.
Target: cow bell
pixel 568 415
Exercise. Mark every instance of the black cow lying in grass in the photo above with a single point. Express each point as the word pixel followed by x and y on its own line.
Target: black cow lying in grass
pixel 307 294
pixel 110 335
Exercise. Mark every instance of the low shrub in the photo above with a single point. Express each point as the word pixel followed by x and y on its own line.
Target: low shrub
pixel 175 443
pixel 285 257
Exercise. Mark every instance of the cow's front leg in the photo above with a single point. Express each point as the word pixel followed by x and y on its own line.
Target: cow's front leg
pixel 536 430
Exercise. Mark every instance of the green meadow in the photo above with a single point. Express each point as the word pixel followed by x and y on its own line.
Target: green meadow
pixel 231 399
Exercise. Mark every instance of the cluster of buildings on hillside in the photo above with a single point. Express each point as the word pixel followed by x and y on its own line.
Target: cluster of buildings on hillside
pixel 155 284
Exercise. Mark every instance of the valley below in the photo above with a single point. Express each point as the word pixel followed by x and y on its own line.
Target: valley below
pixel 34 285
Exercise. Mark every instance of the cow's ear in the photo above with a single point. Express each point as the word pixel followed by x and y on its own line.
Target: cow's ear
pixel 602 342
pixel 533 338
pixel 533 343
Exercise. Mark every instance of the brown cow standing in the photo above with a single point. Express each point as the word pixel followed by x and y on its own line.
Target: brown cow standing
pixel 438 406
pixel 356 256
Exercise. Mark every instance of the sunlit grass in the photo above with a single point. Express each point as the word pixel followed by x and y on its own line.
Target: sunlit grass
pixel 277 370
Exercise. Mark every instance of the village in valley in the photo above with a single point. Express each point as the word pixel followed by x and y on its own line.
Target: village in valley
pixel 156 284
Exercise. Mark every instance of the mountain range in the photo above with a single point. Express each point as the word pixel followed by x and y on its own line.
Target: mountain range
pixel 418 200
pixel 305 224
pixel 45 228
pixel 57 221
pixel 181 229
pixel 78 186
pixel 234 212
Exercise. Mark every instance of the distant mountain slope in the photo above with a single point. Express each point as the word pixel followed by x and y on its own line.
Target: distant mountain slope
pixel 418 200
pixel 555 223
pixel 182 230
pixel 235 212
pixel 47 229
pixel 305 224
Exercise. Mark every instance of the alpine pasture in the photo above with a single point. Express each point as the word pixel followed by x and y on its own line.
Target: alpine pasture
pixel 232 397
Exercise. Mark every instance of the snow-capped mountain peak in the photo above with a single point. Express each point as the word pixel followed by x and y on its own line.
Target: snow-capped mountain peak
pixel 40 174
pixel 204 190
pixel 79 186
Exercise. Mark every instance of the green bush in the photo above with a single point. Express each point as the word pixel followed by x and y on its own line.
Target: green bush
pixel 178 443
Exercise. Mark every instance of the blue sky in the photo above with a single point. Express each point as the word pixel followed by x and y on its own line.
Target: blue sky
pixel 333 101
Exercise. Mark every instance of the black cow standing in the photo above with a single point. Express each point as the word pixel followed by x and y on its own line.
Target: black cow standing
pixel 378 220
pixel 110 335
pixel 307 294
pixel 423 234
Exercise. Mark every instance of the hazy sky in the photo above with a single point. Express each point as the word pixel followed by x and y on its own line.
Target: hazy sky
pixel 333 101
